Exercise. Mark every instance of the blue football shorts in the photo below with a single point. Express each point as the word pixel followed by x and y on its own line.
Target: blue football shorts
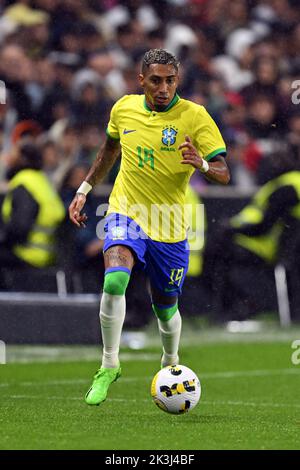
pixel 165 264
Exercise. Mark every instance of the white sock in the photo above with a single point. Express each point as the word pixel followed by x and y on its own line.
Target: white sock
pixel 170 336
pixel 112 315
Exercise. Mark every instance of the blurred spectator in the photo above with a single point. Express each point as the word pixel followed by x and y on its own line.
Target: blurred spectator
pixel 264 132
pixel 8 119
pixel 31 211
pixel 240 176
pixel 90 140
pixel 262 113
pixel 67 61
pixel 234 114
pixel 265 84
pixel 107 66
pixel 90 105
pixel 85 246
pixel 50 158
pixel 28 128
pixel 61 150
pixel 130 41
pixel 235 66
pixel 91 39
pixel 294 129
pixel 198 72
pixel 294 49
pixel 56 102
pixel 37 89
pixel 14 71
pixel 156 38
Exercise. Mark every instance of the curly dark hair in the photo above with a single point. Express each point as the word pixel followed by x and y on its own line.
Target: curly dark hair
pixel 30 155
pixel 159 56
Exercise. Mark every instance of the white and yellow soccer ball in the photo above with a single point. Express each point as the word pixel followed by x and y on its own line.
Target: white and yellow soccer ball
pixel 176 389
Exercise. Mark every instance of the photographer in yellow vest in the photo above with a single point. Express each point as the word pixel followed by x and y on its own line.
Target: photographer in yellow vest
pixel 263 234
pixel 31 211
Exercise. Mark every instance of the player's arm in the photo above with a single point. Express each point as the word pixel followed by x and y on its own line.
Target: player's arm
pixel 216 170
pixel 104 161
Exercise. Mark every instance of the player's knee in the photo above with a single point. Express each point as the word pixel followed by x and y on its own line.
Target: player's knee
pixel 116 282
pixel 165 313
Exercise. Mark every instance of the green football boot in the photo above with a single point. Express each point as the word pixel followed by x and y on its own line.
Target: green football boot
pixel 102 380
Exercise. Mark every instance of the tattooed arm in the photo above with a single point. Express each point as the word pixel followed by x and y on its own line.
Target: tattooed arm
pixel 105 159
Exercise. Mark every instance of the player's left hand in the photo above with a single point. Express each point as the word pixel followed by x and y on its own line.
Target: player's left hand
pixel 75 210
pixel 190 154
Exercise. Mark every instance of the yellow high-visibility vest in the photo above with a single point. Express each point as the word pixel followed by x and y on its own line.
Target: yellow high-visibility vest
pixel 39 248
pixel 265 246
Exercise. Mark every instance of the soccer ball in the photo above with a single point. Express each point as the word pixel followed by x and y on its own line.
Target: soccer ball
pixel 176 389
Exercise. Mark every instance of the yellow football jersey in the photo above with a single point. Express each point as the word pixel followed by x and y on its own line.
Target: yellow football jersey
pixel 151 184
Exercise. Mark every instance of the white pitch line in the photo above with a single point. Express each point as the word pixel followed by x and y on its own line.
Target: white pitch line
pixel 137 400
pixel 249 373
pixel 255 404
pixel 208 375
pixel 54 397
pixel 66 382
pixel 49 356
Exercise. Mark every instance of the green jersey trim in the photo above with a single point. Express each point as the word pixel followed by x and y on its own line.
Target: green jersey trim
pixel 110 136
pixel 215 153
pixel 170 105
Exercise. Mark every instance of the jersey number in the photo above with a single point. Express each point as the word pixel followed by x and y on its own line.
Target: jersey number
pixel 146 157
pixel 176 276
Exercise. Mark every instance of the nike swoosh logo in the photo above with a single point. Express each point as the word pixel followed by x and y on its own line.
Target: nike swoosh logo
pixel 127 131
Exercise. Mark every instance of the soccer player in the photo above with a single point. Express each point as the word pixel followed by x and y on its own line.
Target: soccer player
pixel 163 139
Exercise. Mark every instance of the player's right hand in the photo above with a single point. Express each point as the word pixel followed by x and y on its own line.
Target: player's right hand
pixel 75 208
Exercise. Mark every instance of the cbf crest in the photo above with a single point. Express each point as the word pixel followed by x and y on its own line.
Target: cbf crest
pixel 118 232
pixel 169 135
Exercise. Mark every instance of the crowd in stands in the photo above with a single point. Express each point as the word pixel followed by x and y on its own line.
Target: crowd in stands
pixel 65 62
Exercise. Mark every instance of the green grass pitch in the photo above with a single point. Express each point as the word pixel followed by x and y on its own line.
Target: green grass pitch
pixel 250 398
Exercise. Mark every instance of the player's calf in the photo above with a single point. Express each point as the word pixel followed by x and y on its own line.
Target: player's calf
pixel 169 325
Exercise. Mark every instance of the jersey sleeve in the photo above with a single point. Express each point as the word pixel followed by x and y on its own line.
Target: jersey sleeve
pixel 207 137
pixel 112 129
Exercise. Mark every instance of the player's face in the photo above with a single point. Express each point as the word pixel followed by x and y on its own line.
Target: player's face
pixel 159 83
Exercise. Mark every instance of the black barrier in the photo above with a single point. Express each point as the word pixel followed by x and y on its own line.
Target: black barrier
pixel 66 320
pixel 48 319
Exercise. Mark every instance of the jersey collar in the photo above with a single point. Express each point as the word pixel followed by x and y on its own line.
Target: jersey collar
pixel 170 105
